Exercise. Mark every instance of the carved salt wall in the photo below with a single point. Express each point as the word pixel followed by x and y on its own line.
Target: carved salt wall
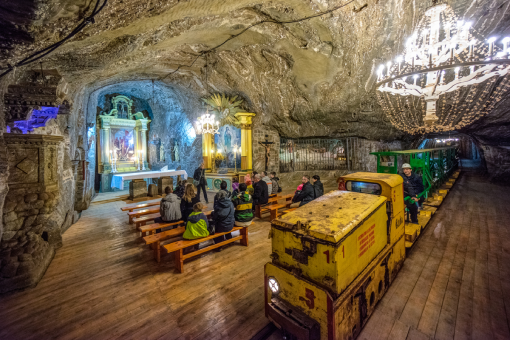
pixel 30 238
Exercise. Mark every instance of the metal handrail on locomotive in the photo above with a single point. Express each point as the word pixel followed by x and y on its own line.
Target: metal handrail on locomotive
pixel 334 258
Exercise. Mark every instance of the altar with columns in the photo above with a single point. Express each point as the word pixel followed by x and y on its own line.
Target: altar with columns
pixel 122 145
pixel 227 151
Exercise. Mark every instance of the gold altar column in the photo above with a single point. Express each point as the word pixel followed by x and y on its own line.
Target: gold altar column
pixel 206 150
pixel 246 140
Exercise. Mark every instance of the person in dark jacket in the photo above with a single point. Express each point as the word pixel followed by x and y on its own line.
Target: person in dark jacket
pixel 223 187
pixel 223 217
pixel 243 204
pixel 169 208
pixel 318 188
pixel 413 186
pixel 179 191
pixel 189 199
pixel 260 193
pixel 307 194
pixel 199 177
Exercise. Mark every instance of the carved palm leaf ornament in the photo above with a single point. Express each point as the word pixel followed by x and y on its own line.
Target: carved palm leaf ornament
pixel 225 108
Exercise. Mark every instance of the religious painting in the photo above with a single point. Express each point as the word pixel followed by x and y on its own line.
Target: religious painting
pixel 229 137
pixel 122 144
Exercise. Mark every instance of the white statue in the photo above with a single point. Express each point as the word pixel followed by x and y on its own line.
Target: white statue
pixel 176 151
pixel 161 153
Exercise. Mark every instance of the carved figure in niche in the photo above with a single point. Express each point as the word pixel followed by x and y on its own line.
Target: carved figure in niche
pixel 161 153
pixel 227 140
pixel 176 151
pixel 122 109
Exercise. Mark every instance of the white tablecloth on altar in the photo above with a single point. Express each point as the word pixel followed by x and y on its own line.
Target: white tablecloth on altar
pixel 118 180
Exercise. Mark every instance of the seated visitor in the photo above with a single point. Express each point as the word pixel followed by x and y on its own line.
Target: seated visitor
pixel 189 199
pixel 413 186
pixel 169 208
pixel 260 194
pixel 307 194
pixel 318 188
pixel 276 186
pixel 223 187
pixel 198 225
pixel 248 181
pixel 179 190
pixel 223 216
pixel 243 207
pixel 268 181
pixel 235 186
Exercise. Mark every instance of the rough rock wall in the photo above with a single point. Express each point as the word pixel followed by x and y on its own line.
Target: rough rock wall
pixel 497 161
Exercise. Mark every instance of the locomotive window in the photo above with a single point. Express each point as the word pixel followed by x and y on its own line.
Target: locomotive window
pixel 364 187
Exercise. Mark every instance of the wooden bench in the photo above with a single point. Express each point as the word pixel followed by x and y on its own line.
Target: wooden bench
pixel 271 201
pixel 132 207
pixel 156 239
pixel 151 228
pixel 273 210
pixel 178 247
pixel 142 220
pixel 138 213
pixel 289 210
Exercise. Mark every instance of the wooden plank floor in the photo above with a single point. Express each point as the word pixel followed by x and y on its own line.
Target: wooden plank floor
pixel 104 283
pixel 455 282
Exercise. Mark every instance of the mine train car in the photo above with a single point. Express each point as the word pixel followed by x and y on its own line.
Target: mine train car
pixel 334 258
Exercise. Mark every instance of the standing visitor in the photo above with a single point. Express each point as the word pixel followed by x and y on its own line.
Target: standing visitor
pixel 169 208
pixel 188 201
pixel 266 179
pixel 307 194
pixel 260 194
pixel 318 188
pixel 200 182
pixel 223 217
pixel 276 186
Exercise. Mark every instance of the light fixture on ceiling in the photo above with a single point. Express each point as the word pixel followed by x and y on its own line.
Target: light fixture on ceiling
pixel 448 77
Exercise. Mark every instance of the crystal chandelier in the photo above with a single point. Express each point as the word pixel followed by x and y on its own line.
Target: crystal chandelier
pixel 448 77
pixel 207 124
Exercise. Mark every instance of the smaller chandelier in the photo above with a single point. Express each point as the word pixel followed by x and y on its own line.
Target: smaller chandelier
pixel 208 124
pixel 448 77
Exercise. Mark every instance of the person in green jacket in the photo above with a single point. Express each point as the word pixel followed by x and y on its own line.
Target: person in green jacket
pixel 198 225
pixel 243 203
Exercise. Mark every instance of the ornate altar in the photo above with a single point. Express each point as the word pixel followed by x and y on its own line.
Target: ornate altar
pixel 122 145
pixel 228 153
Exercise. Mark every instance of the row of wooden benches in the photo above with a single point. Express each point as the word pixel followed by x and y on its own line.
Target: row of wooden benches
pixel 149 211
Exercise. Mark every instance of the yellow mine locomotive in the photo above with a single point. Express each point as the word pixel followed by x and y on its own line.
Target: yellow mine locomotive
pixel 335 257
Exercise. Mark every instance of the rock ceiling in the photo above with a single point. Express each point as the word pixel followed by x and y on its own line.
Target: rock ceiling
pixel 305 79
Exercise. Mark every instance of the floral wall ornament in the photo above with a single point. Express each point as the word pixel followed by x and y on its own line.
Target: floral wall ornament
pixel 225 107
pixel 448 77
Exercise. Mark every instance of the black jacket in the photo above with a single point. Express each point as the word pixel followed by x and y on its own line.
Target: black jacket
pixel 223 215
pixel 413 185
pixel 199 175
pixel 229 195
pixel 318 189
pixel 179 191
pixel 260 194
pixel 306 195
pixel 187 207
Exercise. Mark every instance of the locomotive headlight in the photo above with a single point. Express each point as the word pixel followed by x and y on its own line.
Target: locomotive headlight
pixel 273 285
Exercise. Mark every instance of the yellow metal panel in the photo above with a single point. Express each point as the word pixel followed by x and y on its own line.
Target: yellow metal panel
pixel 332 216
pixel 310 299
pixel 360 248
pixel 389 179
pixel 333 265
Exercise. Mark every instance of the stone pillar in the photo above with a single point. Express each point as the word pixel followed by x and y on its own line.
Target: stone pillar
pixel 245 119
pixel 30 235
